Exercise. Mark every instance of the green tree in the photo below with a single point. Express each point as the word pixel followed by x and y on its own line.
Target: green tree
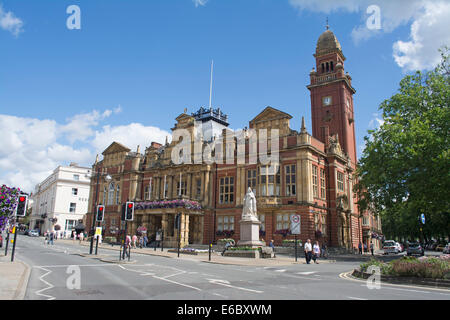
pixel 405 167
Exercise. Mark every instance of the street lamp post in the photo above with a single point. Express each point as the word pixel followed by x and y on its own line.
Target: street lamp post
pixel 107 178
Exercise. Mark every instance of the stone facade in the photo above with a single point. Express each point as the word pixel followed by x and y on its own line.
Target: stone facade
pixel 314 177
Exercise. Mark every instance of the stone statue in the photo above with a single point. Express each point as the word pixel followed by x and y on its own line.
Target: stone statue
pixel 249 211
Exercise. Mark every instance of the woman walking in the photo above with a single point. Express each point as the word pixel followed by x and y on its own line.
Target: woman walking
pixel 316 252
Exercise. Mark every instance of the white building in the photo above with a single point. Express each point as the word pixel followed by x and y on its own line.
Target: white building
pixel 61 199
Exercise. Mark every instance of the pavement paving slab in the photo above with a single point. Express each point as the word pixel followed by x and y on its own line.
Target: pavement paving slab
pixel 14 279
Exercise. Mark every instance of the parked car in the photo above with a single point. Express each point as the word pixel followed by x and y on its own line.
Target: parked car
pixel 440 247
pixel 399 246
pixel 390 246
pixel 33 233
pixel 446 249
pixel 414 249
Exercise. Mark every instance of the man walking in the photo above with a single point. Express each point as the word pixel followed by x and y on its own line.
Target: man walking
pixel 308 251
pixel 371 248
pixel 360 248
pixel 273 248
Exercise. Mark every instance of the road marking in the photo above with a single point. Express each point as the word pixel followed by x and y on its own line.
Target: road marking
pixel 50 286
pixel 226 283
pixel 178 283
pixel 386 285
pixel 282 270
pixel 306 272
pixel 355 298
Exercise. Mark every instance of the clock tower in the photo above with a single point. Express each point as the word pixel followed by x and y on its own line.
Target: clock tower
pixel 332 96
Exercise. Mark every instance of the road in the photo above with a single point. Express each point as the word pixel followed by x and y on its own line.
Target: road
pixel 55 270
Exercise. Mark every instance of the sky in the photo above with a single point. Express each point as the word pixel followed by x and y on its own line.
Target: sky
pixel 133 66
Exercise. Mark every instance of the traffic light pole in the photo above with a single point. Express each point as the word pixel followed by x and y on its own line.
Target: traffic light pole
pixel 15 239
pixel 7 242
pixel 93 214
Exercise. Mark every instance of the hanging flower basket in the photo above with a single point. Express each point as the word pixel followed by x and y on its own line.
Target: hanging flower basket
pixel 180 203
pixel 8 203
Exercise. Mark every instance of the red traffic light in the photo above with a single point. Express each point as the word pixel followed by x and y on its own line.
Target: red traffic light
pixel 130 205
pixel 100 208
pixel 22 199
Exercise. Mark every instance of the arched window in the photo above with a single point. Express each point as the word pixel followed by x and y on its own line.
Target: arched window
pixel 331 64
pixel 111 193
pixel 104 195
pixel 328 67
pixel 118 195
pixel 323 68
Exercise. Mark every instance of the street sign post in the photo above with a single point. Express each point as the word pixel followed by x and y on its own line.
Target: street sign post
pixel 295 230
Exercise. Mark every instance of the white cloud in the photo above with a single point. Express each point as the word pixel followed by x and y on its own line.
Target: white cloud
pixel 429 25
pixel 375 122
pixel 130 135
pixel 30 149
pixel 429 32
pixel 200 2
pixel 9 22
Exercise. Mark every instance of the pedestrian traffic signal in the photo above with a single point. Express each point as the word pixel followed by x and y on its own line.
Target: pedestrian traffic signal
pixel 129 211
pixel 100 214
pixel 22 206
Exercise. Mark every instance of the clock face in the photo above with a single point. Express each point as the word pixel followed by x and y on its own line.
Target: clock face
pixel 326 101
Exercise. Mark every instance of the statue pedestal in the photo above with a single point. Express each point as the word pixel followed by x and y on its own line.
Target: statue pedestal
pixel 250 234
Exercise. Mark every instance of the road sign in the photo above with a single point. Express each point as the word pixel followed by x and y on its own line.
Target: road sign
pixel 295 224
pixel 98 231
pixel 422 218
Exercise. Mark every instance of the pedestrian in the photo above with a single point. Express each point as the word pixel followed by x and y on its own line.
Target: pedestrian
pixel 316 252
pixel 323 252
pixel 227 245
pixel 74 235
pixel 141 242
pixel 371 248
pixel 51 237
pixel 134 241
pixel 127 246
pixel 145 241
pixel 81 237
pixel 360 248
pixel 308 251
pixel 273 248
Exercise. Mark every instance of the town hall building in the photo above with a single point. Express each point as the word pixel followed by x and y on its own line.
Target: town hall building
pixel 313 177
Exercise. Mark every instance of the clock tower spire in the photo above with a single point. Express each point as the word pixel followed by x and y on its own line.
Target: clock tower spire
pixel 332 95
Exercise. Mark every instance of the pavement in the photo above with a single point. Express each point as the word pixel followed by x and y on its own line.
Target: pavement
pixel 14 279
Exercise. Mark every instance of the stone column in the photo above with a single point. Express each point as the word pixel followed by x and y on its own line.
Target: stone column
pixel 189 185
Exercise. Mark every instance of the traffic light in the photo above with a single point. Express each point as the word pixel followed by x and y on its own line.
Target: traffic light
pixel 22 206
pixel 100 214
pixel 129 211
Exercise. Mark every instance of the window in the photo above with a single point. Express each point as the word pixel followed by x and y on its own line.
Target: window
pixel 251 180
pixel 331 65
pixel 76 177
pixel 111 193
pixel 322 184
pixel 198 191
pixel 284 221
pixel 70 225
pixel 262 219
pixel 324 224
pixel 269 180
pixel 147 193
pixel 315 182
pixel 104 195
pixel 74 191
pixel 113 222
pixel 118 195
pixel 183 188
pixel 340 181
pixel 289 171
pixel 225 223
pixel 73 207
pixel 166 189
pixel 316 222
pixel 226 194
